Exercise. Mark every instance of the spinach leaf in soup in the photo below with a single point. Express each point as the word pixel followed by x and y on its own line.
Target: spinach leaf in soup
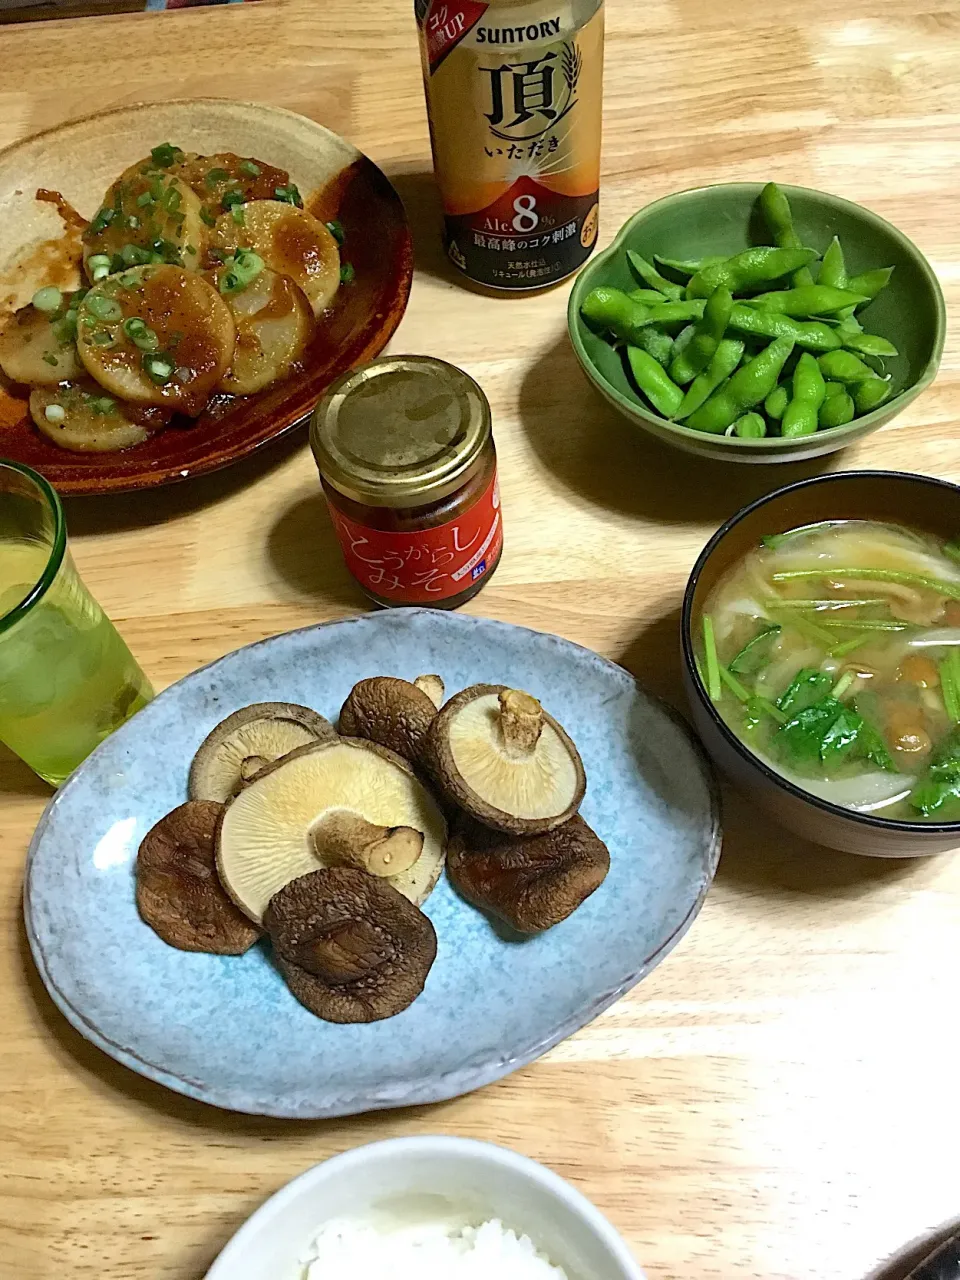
pixel 938 792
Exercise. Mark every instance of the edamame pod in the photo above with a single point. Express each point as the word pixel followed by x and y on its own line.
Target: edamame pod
pixel 728 355
pixel 749 386
pixel 871 283
pixel 686 266
pixel 612 309
pixel 750 427
pixel 776 402
pixel 749 269
pixel 833 268
pixel 650 276
pixel 837 410
pixel 808 300
pixel 656 343
pixel 844 366
pixel 870 395
pixel 653 381
pixel 707 333
pixel 811 335
pixel 775 208
pixel 801 414
pixel 867 344
pixel 834 389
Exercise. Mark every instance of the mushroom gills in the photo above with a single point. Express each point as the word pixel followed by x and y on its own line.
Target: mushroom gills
pixel 351 948
pixel 531 882
pixel 234 752
pixel 505 761
pixel 267 835
pixel 178 893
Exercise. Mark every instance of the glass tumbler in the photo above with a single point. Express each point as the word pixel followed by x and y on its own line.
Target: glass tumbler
pixel 67 679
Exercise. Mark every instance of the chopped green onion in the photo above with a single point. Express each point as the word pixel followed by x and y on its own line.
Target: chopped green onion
pixel 842 685
pixel 242 269
pixel 158 368
pixel 289 195
pixel 133 326
pixel 742 694
pixel 336 230
pixel 48 299
pixel 207 217
pixel 165 155
pixel 848 646
pixel 116 263
pixel 949 687
pixel 156 188
pixel 145 340
pixel 130 279
pixel 347 273
pixel 78 296
pixel 191 249
pixel 230 198
pixel 949 589
pixel 50 358
pixel 102 404
pixel 97 260
pixel 248 167
pixel 714 690
pixel 134 256
pixel 238 215
pixel 104 308
pixel 172 200
pixel 215 176
pixel 65 329
pixel 133 222
pixel 55 413
pixel 104 338
pixel 145 199
pixel 102 220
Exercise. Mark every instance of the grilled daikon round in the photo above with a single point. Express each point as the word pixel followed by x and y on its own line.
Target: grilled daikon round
pixel 79 416
pixel 38 347
pixel 157 335
pixel 274 324
pixel 291 242
pixel 146 216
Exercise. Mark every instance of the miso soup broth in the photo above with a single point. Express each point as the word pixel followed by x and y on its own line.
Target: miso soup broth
pixel 833 652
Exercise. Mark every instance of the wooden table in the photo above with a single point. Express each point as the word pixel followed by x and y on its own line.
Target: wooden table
pixel 778 1099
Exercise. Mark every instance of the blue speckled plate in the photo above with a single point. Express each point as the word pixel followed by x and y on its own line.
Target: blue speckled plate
pixel 226 1029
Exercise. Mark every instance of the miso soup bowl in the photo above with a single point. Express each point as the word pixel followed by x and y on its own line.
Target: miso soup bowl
pixel 896 497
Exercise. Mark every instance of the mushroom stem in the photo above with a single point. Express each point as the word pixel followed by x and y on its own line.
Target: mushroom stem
pixel 250 766
pixel 343 838
pixel 521 722
pixel 433 687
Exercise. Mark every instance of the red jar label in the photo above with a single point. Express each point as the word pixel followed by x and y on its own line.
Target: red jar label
pixel 425 565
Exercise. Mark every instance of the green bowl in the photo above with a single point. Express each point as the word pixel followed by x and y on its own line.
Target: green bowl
pixel 910 312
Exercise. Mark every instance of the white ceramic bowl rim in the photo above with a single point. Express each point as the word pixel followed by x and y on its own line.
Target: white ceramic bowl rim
pixel 571 1200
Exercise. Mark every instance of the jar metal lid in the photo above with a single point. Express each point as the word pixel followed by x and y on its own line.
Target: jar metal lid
pixel 401 431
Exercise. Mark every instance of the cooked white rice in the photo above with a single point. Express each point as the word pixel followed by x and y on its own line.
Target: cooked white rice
pixel 351 1250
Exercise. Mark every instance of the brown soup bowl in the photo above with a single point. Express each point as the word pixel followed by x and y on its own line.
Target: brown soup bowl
pixel 897 497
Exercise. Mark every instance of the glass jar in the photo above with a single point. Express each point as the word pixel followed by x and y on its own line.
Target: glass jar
pixel 405 451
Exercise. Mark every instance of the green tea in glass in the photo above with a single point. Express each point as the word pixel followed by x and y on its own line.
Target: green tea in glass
pixel 67 679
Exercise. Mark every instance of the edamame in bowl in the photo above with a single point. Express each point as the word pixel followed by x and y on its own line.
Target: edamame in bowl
pixel 758 323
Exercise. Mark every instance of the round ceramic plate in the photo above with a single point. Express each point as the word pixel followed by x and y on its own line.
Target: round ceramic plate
pixel 80 160
pixel 226 1029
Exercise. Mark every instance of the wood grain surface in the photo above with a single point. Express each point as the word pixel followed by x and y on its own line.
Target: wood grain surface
pixel 778 1100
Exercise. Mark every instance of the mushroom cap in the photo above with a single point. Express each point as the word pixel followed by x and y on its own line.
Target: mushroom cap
pixel 266 835
pixel 264 731
pixel 521 791
pixel 351 948
pixel 392 712
pixel 532 882
pixel 178 893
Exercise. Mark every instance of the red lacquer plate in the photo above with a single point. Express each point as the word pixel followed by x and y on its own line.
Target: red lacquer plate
pixel 82 158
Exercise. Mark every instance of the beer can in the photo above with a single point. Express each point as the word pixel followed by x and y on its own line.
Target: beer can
pixel 514 97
